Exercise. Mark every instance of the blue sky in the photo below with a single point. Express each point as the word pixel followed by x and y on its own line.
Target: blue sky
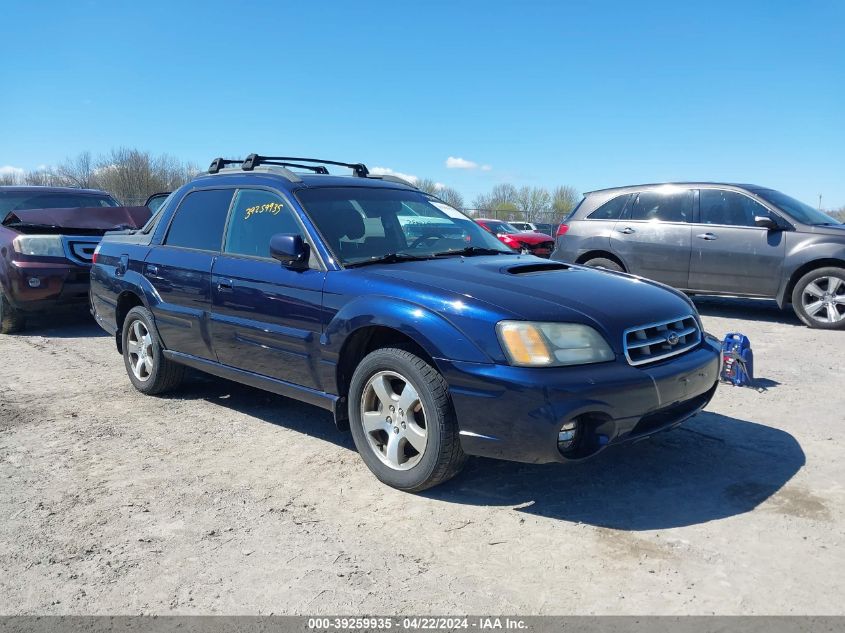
pixel 589 94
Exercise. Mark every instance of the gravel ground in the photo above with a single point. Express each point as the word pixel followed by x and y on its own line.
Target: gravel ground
pixel 225 499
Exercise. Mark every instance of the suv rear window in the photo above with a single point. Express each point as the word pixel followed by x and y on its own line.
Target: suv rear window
pixel 18 201
pixel 610 210
pixel 662 206
pixel 200 220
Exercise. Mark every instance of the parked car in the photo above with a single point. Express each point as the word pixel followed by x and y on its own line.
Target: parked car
pixel 428 348
pixel 712 238
pixel 548 229
pixel 523 226
pixel 526 242
pixel 47 238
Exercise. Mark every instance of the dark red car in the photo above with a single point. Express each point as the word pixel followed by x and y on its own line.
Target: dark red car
pixel 529 242
pixel 47 241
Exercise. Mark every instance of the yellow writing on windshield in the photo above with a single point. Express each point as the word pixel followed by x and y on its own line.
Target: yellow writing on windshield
pixel 273 208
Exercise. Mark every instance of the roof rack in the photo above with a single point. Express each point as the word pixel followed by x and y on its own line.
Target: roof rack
pixel 319 167
pixel 254 160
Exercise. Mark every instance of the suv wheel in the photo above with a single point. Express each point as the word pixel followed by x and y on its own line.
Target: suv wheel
pixel 603 262
pixel 150 372
pixel 402 421
pixel 819 298
pixel 11 320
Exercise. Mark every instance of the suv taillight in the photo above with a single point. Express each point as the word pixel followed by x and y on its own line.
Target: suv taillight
pixel 561 230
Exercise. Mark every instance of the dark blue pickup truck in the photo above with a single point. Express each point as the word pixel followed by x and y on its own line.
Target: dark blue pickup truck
pixel 424 335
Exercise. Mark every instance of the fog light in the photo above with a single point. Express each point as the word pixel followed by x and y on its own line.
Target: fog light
pixel 567 435
pixel 34 282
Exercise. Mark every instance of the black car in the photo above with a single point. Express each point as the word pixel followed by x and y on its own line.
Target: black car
pixel 712 238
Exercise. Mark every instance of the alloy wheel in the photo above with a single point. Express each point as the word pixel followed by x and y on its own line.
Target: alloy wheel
pixel 394 420
pixel 139 346
pixel 823 299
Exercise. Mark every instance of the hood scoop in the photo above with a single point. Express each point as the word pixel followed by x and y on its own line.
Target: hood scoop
pixel 530 269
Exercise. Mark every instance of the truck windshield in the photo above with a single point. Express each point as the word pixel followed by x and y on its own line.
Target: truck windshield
pixel 19 201
pixel 800 211
pixel 364 223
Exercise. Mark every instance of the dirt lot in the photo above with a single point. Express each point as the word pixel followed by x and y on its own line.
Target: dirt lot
pixel 225 499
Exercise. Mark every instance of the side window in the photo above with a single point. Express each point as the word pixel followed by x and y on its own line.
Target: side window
pixel 728 207
pixel 675 206
pixel 256 217
pixel 610 210
pixel 200 220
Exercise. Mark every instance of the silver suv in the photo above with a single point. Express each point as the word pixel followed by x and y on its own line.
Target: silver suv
pixel 720 239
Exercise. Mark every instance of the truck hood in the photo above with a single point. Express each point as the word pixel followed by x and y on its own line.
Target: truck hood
pixel 536 289
pixel 87 218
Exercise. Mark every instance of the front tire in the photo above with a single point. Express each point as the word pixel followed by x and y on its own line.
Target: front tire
pixel 604 262
pixel 819 298
pixel 150 372
pixel 403 422
pixel 11 320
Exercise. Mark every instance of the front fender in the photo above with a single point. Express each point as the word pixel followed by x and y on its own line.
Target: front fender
pixel 433 331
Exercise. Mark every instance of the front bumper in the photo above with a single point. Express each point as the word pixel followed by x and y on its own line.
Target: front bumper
pixel 515 413
pixel 41 286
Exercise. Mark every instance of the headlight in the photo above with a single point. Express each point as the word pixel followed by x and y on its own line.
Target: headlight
pixel 552 344
pixel 41 245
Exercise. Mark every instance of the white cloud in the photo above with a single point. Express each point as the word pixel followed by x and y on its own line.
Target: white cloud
pixel 9 170
pixel 460 163
pixel 387 171
pixel 486 167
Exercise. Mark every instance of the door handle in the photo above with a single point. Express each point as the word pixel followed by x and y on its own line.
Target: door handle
pixel 627 230
pixel 152 270
pixel 706 236
pixel 225 285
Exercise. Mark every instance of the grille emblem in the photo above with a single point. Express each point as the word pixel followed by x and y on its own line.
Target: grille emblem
pixel 673 339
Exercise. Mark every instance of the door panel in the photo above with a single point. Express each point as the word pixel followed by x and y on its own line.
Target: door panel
pixel 182 278
pixel 729 253
pixel 653 236
pixel 267 318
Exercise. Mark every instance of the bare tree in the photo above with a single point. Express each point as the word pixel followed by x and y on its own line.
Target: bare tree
pixel 502 197
pixel 564 199
pixel 533 201
pixel 78 171
pixel 132 175
pixel 41 177
pixel 451 196
pixel 427 185
pixel 10 178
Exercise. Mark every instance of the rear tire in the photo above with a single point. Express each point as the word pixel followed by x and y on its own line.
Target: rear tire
pixel 148 369
pixel 403 422
pixel 819 298
pixel 11 320
pixel 604 262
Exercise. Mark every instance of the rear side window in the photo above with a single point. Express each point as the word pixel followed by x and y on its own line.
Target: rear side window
pixel 200 220
pixel 610 210
pixel 257 216
pixel 662 206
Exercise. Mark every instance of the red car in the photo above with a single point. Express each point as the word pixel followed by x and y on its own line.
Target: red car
pixel 47 241
pixel 528 242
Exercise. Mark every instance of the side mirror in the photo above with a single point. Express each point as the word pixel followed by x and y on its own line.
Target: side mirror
pixel 765 222
pixel 289 249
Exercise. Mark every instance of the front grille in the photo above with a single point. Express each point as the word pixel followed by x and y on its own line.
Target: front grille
pixel 80 250
pixel 650 343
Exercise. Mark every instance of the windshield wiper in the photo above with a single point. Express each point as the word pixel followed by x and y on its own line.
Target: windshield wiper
pixel 389 258
pixel 474 250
